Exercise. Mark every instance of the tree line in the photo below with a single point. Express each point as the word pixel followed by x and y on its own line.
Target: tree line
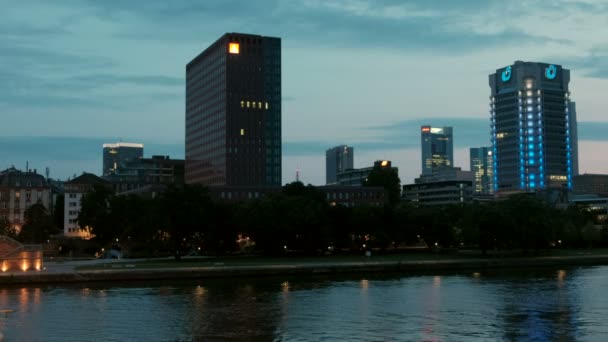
pixel 300 220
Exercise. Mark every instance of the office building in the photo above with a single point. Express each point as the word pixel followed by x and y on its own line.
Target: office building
pixel 337 159
pixel 357 177
pixel 437 148
pixel 115 154
pixel 573 137
pixel 445 186
pixel 596 184
pixel 481 165
pixel 233 113
pixel 531 127
pixel 141 173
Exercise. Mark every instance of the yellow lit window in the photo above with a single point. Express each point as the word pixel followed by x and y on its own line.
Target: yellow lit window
pixel 234 48
pixel 242 104
pixel 248 103
pixel 266 105
pixel 242 131
pixel 259 105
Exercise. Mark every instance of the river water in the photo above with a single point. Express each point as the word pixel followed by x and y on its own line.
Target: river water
pixel 532 305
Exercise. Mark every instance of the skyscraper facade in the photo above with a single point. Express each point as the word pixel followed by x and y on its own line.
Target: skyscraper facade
pixel 531 127
pixel 573 137
pixel 233 113
pixel 338 159
pixel 481 166
pixel 437 148
pixel 116 154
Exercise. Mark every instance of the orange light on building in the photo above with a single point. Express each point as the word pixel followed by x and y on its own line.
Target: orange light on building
pixel 4 266
pixel 24 266
pixel 384 163
pixel 426 129
pixel 234 48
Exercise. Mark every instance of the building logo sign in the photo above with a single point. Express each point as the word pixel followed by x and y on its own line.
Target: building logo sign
pixel 506 74
pixel 551 72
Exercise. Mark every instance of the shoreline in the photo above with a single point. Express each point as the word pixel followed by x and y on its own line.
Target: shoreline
pixel 130 272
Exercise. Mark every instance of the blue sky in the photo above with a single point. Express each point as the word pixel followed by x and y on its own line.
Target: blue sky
pixel 77 73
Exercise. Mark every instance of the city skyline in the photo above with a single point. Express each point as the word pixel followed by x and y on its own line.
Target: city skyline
pixel 73 72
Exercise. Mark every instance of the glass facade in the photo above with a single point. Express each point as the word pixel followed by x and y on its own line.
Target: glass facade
pixel 338 159
pixel 437 148
pixel 233 112
pixel 481 166
pixel 114 155
pixel 531 127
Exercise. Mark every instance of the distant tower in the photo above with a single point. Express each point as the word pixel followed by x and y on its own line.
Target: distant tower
pixel 115 154
pixel 533 144
pixel 481 166
pixel 437 148
pixel 338 159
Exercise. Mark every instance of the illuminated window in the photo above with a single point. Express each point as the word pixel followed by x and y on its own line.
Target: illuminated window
pixel 242 131
pixel 259 105
pixel 266 105
pixel 234 48
pixel 248 103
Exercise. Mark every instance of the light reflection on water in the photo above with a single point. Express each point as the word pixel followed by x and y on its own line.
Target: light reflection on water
pixel 540 305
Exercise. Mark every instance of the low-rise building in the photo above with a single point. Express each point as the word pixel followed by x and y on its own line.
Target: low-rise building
pixel 74 190
pixel 591 184
pixel 444 186
pixel 18 191
pixel 357 177
pixel 141 173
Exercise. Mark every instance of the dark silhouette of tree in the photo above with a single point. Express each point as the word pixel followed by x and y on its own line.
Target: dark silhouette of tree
pixel 58 211
pixel 387 178
pixel 6 228
pixel 184 212
pixel 95 214
pixel 38 225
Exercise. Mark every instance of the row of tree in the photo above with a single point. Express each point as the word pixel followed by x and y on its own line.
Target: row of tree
pixel 299 219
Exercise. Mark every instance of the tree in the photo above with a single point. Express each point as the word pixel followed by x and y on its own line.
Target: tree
pixel 58 211
pixel 38 225
pixel 182 213
pixel 95 214
pixel 387 178
pixel 7 229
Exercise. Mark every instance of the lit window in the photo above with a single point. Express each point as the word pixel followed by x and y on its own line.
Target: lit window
pixel 242 104
pixel 259 105
pixel 234 48
pixel 248 103
pixel 242 131
pixel 529 93
pixel 266 105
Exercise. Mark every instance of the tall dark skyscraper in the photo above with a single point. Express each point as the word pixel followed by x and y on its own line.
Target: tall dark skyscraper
pixel 531 130
pixel 437 148
pixel 481 166
pixel 338 159
pixel 116 154
pixel 233 113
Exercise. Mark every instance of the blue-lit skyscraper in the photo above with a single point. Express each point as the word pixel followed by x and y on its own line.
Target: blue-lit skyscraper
pixel 531 127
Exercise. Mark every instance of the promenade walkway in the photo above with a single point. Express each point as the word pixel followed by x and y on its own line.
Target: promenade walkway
pixel 70 271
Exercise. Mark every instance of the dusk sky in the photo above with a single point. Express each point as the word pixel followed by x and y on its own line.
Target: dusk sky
pixel 77 73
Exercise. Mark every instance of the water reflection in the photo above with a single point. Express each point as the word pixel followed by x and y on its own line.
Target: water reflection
pixel 563 304
pixel 540 309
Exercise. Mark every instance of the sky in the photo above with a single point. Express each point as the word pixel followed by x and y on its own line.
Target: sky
pixel 75 74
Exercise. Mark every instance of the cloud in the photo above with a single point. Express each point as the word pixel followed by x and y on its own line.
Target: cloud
pixel 410 26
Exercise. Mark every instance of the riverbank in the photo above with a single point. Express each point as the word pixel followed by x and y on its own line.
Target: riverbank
pixel 139 270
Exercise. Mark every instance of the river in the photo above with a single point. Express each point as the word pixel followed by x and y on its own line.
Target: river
pixel 517 305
